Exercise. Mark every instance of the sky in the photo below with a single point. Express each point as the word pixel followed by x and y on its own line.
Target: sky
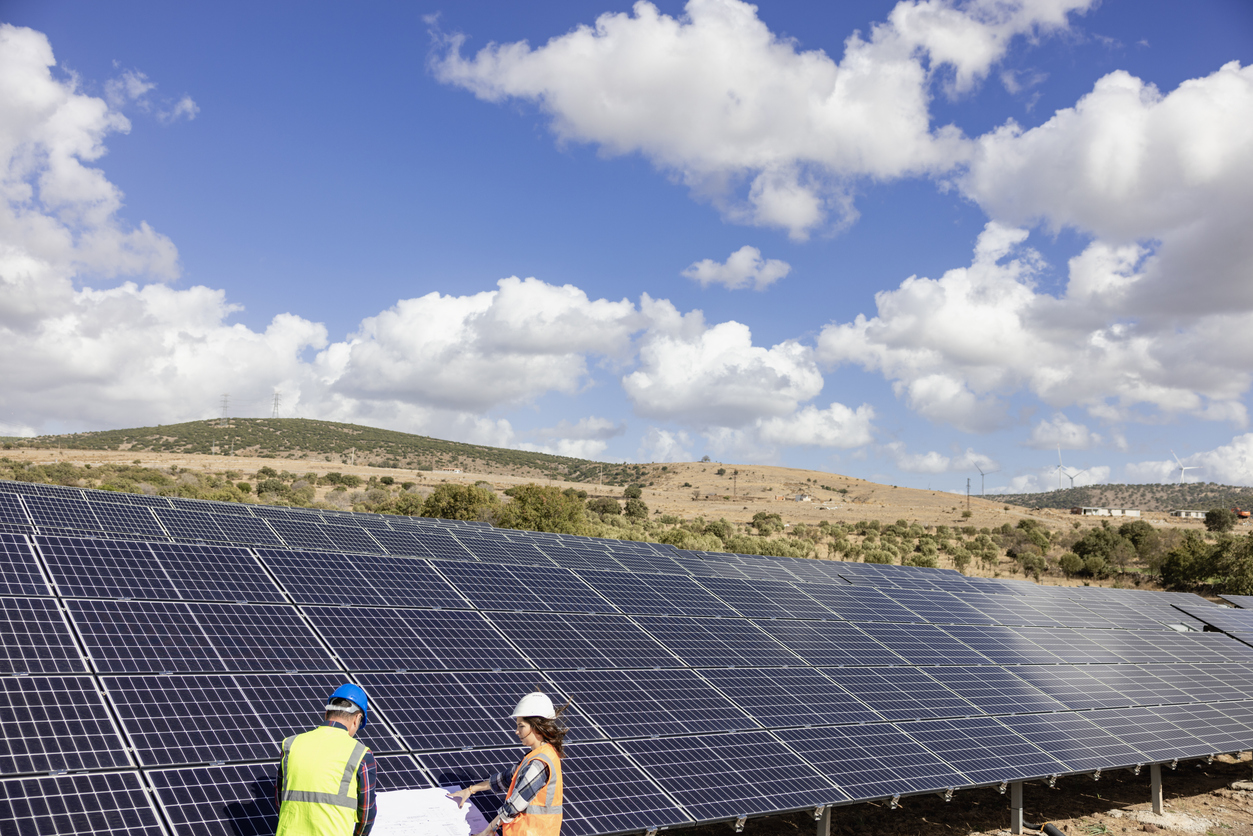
pixel 903 241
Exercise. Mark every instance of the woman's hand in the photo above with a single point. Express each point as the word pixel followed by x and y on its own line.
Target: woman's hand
pixel 462 796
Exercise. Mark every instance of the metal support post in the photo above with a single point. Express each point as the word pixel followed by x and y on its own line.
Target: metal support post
pixel 1015 808
pixel 1155 775
pixel 824 821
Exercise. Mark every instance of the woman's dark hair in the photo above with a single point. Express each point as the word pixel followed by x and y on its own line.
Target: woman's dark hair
pixel 552 731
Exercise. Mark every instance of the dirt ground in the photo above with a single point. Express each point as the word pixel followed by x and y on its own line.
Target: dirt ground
pixel 1205 799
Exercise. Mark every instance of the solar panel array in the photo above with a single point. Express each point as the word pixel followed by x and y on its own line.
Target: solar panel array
pixel 155 651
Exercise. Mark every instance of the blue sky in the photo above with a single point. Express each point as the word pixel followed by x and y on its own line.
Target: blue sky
pixel 900 241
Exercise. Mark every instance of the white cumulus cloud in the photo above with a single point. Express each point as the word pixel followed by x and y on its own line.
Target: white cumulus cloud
pixel 660 445
pixel 770 133
pixel 1060 431
pixel 1230 464
pixel 743 267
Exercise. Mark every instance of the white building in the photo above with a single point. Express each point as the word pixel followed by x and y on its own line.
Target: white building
pixel 1191 515
pixel 1107 512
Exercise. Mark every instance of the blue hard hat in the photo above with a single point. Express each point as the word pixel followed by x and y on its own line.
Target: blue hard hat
pixel 355 694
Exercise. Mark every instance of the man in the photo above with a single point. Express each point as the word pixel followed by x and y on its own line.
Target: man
pixel 326 778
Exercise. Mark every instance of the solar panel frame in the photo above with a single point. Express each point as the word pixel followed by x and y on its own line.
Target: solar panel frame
pixel 84 803
pixel 97 568
pixel 35 638
pixel 61 512
pixel 127 519
pixel 209 572
pixel 566 641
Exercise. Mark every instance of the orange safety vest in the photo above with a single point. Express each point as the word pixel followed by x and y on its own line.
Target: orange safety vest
pixel 542 816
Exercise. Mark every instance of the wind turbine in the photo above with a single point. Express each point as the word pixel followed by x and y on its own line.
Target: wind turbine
pixel 1060 469
pixel 983 473
pixel 1183 471
pixel 1072 478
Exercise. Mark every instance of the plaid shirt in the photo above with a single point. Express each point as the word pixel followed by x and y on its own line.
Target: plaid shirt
pixel 366 808
pixel 530 782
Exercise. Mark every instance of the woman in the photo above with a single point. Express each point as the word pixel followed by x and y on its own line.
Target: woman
pixel 533 794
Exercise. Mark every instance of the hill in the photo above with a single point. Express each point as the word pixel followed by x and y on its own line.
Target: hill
pixel 328 441
pixel 1199 496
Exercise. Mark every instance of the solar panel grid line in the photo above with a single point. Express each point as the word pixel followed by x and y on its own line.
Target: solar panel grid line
pixel 127 519
pixel 36 636
pixel 211 572
pixel 58 723
pixel 75 514
pixel 983 750
pixel 790 698
pixel 566 641
pixel 21 571
pixel 766 599
pixel 97 568
pixel 12 511
pixel 717 642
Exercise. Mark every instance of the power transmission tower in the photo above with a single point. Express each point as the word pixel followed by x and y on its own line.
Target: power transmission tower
pixel 278 401
pixel 225 402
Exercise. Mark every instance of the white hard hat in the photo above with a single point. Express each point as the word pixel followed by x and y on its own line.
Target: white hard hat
pixel 535 704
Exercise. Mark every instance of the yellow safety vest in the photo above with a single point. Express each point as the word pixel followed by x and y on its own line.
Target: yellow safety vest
pixel 542 817
pixel 319 792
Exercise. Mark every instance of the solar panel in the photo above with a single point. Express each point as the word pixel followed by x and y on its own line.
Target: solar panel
pixel 189 525
pixel 215 573
pixel 56 723
pixel 983 750
pixel 725 776
pixel 239 529
pixel 219 800
pixel 649 703
pixel 1000 644
pixel 923 644
pixel 11 510
pixel 1157 739
pixel 995 690
pixel 901 693
pixel 1202 684
pixel 300 534
pixel 292 703
pixel 501 550
pixel 101 802
pixel 524 588
pixel 655 595
pixel 34 638
pixel 379 639
pixel 473 707
pixel 766 599
pixel 19 573
pixel 938 607
pixel 1067 612
pixel 400 543
pixel 1242 601
pixel 261 637
pixel 1069 645
pixel 461 769
pixel 829 643
pixel 1074 740
pixel 127 519
pixel 717 642
pixel 860 603
pixel 61 512
pixel 351 538
pixel 564 641
pixel 606 793
pixel 408 582
pixel 105 568
pixel 314 578
pixel 139 636
pixel 1222 730
pixel 782 697
pixel 1072 686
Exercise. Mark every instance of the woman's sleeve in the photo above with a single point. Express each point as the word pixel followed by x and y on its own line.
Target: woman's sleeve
pixel 533 778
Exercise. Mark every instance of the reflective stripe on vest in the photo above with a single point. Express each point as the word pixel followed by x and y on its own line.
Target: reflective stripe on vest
pixel 539 819
pixel 319 792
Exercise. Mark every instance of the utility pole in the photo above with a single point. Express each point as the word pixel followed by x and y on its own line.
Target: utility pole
pixel 735 483
pixel 278 401
pixel 967 493
pixel 225 402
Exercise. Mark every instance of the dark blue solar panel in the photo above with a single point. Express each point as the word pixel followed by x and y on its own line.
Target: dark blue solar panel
pixel 126 519
pixel 261 637
pixel 188 525
pixel 983 750
pixel 830 643
pixel 1072 646
pixel 473 707
pixel 1156 738
pixel 766 599
pixel 995 690
pixel 717 642
pixel 525 588
pixel 1065 611
pixel 105 568
pixel 441 544
pixel 901 693
pixel 137 636
pixel 100 802
pixel 938 607
pixel 860 603
pixel 34 638
pixel 300 534
pixel 379 639
pixel 656 594
pixel 498 549
pixel 351 538
pixel 57 722
pixel 61 512
pixel 1074 740
pixel 872 761
pixel 725 776
pixel 1072 686
pixel 400 543
pixel 645 703
pixel 11 510
pixel 1223 730
pixel 215 573
pixel 923 644
pixel 557 641
pixel 19 573
pixel 239 529
pixel 233 800
pixel 780 697
pixel 1001 644
pixel 313 578
pixel 582 558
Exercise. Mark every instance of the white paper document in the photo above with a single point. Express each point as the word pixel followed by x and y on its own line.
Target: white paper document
pixel 425 813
